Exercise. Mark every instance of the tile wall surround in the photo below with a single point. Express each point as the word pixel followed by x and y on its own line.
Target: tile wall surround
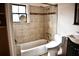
pixel 37 28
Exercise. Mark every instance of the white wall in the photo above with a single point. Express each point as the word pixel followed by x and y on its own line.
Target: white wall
pixel 66 19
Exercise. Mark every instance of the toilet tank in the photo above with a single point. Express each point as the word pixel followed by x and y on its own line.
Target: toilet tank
pixel 58 38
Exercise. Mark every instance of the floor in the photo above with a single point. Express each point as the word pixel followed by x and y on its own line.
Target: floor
pixel 46 54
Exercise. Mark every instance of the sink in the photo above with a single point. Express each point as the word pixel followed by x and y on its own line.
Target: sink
pixel 74 38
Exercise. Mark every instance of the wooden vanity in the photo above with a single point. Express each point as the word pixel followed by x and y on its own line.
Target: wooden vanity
pixel 73 46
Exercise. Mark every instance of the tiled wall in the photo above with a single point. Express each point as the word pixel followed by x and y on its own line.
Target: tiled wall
pixel 38 27
pixel 50 22
pixel 25 32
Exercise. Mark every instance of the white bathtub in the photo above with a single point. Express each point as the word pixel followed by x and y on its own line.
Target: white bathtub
pixel 34 48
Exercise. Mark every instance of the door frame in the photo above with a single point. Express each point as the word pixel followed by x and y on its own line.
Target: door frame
pixel 12 46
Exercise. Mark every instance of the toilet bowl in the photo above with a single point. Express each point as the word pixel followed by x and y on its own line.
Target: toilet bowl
pixel 53 46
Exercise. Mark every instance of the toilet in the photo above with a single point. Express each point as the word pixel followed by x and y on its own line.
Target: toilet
pixel 54 46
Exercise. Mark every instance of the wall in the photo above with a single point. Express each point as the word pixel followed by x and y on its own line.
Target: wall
pixel 66 19
pixel 50 22
pixel 40 26
pixel 9 30
pixel 25 32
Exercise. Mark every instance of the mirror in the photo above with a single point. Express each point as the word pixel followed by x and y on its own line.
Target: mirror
pixel 76 20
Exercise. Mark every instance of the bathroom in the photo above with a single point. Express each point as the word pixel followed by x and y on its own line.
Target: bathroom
pixel 39 29
pixel 40 24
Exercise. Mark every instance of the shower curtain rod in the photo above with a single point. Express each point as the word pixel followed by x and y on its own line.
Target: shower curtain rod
pixel 50 4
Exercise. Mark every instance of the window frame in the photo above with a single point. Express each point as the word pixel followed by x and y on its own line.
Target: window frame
pixel 18 12
pixel 76 19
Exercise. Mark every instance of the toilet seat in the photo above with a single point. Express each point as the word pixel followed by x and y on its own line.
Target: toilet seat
pixel 57 41
pixel 53 44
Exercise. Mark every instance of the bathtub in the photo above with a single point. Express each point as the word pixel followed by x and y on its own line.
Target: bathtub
pixel 34 48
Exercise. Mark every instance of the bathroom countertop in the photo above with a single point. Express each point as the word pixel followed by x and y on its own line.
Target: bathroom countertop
pixel 74 38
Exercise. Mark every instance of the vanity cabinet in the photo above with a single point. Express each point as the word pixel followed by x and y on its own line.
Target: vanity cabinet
pixel 4 44
pixel 72 48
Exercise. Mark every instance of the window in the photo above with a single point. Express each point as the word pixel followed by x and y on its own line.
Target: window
pixel 18 12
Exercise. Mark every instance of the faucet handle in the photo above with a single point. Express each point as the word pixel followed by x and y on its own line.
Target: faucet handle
pixel 15 41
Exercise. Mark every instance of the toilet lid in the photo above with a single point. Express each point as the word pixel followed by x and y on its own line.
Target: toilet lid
pixel 52 44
